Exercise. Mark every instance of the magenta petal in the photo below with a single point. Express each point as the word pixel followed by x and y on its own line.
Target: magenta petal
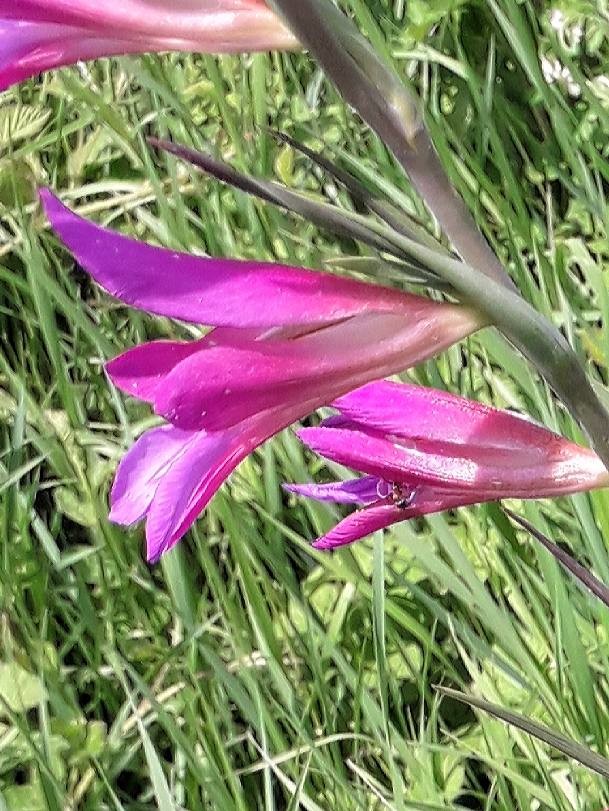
pixel 141 469
pixel 364 490
pixel 30 47
pixel 140 371
pixel 27 48
pixel 561 467
pixel 220 292
pixel 359 524
pixel 377 456
pixel 222 385
pixel 37 35
pixel 228 382
pixel 199 470
pixel 416 412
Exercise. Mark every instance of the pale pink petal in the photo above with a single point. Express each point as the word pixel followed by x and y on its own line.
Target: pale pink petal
pixel 142 468
pixel 219 292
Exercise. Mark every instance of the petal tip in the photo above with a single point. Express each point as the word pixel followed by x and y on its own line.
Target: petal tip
pixel 51 205
pixel 46 197
pixel 155 547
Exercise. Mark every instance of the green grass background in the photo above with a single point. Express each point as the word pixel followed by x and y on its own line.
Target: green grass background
pixel 247 671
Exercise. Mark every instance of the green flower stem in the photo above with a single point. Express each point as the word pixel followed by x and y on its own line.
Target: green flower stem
pixel 377 93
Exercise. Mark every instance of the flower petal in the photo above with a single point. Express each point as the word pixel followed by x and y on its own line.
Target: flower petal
pixel 141 370
pixel 364 490
pixel 142 468
pixel 363 522
pixel 188 485
pixel 220 386
pixel 561 467
pixel 416 412
pixel 220 292
pixel 359 524
pixel 37 35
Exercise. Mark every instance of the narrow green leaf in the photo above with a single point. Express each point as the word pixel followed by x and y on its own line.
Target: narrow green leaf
pixel 343 223
pixel 580 572
pixel 568 747
pixel 395 218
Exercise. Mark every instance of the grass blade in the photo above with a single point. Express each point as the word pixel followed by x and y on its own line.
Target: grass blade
pixel 580 572
pixel 568 747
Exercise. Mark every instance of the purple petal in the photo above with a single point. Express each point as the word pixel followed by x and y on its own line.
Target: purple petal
pixel 364 490
pixel 188 485
pixel 37 35
pixel 361 523
pixel 220 292
pixel 358 525
pixel 142 468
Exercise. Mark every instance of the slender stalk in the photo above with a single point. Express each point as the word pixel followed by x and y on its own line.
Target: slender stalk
pixel 394 112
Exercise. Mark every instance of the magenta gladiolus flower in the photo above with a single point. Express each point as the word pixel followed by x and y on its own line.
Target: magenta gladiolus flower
pixel 37 35
pixel 424 451
pixel 286 340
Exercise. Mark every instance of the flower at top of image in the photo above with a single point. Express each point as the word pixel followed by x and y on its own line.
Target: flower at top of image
pixel 39 35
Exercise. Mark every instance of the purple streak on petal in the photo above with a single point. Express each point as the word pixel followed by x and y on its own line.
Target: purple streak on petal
pixel 364 490
pixel 219 292
pixel 141 469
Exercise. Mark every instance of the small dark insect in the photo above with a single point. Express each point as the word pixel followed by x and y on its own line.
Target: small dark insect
pixel 401 496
